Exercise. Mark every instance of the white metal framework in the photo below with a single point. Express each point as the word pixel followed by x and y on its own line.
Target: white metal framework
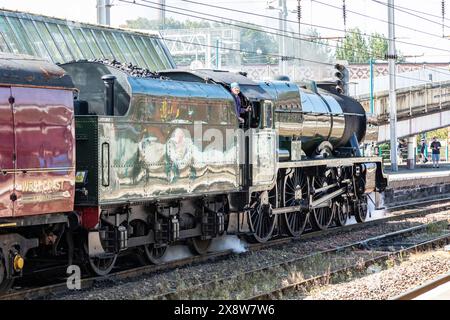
pixel 211 44
pixel 62 41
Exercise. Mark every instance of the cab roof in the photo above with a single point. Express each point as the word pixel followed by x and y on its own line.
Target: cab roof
pixel 24 70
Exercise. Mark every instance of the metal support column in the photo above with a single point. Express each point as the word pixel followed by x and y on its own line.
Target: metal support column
pixel 392 56
pixel 104 12
pixel 162 15
pixel 372 107
pixel 282 44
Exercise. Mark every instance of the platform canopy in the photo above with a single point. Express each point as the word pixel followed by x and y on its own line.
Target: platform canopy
pixel 63 41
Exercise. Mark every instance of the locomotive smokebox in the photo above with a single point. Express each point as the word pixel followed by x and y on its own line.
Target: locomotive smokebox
pixel 109 81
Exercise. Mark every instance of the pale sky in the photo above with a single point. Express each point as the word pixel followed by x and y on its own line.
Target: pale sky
pixel 313 12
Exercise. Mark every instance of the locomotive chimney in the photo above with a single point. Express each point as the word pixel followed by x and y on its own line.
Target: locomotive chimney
pixel 109 81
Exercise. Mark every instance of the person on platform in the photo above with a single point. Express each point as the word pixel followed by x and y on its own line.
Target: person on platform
pixel 423 147
pixel 435 152
pixel 240 109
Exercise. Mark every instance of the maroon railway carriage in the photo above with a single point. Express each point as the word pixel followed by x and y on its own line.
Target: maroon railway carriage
pixel 37 159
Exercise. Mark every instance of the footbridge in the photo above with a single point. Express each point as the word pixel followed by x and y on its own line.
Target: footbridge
pixel 420 108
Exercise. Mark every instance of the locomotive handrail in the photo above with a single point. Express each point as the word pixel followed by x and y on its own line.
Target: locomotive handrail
pixel 318 113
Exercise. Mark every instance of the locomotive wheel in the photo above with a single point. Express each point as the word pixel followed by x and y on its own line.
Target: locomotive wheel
pixel 261 220
pixel 140 228
pixel 361 209
pixel 5 284
pixel 321 218
pixel 295 189
pixel 99 266
pixel 199 246
pixel 155 255
pixel 151 254
pixel 147 254
pixel 341 213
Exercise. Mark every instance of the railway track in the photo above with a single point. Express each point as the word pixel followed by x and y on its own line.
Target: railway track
pixel 360 265
pixel 360 249
pixel 399 212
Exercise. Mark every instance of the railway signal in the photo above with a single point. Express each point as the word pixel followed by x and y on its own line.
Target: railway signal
pixel 343 78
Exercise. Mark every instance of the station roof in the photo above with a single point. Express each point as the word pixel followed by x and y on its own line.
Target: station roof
pixel 63 41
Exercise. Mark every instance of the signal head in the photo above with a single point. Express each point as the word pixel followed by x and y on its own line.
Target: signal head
pixel 339 75
pixel 339 67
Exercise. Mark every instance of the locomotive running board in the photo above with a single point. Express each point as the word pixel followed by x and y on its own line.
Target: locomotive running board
pixel 329 162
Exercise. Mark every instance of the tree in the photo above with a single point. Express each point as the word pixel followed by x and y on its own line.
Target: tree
pixel 440 134
pixel 378 46
pixel 356 49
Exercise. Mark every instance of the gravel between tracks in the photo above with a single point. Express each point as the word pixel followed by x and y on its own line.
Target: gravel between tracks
pixel 385 284
pixel 146 286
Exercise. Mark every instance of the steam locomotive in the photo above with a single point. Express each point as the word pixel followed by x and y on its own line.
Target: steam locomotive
pixel 99 159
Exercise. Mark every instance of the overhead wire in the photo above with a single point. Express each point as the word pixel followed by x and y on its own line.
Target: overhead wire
pixel 378 19
pixel 409 13
pixel 248 51
pixel 315 25
pixel 421 12
pixel 246 25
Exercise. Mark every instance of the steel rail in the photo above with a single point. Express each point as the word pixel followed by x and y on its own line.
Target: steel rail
pixel 176 294
pixel 427 287
pixel 49 290
pixel 325 277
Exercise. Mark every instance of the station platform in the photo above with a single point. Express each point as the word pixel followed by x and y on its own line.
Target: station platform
pixel 423 174
pixel 424 182
pixel 440 293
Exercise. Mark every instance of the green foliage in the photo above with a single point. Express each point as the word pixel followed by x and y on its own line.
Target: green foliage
pixel 440 134
pixel 356 48
pixel 378 45
pixel 385 150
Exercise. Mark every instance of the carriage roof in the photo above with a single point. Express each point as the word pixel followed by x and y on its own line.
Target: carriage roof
pixel 23 70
